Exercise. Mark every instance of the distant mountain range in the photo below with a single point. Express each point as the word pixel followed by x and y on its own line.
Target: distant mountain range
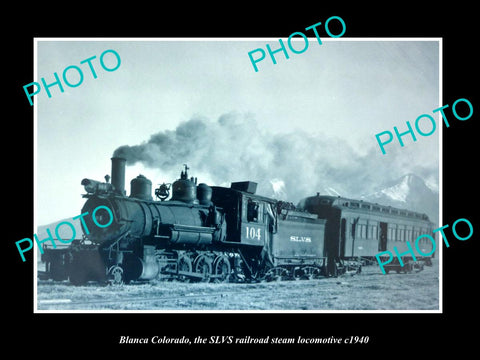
pixel 408 192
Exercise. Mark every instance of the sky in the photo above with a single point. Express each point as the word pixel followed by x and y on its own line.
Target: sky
pixel 323 105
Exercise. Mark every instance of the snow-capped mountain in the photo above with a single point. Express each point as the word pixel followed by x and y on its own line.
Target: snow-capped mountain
pixel 409 192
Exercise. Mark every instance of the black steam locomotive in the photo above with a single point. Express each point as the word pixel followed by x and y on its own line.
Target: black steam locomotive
pixel 223 234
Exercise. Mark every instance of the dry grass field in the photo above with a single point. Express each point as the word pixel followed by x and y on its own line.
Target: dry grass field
pixel 369 290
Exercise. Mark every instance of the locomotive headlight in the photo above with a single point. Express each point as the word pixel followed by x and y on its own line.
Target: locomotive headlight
pixel 93 186
pixel 90 185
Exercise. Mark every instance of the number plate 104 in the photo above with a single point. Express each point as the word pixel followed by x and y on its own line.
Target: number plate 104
pixel 253 233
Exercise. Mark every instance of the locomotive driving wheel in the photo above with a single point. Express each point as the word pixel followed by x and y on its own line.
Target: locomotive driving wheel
pixel 222 268
pixel 203 267
pixel 184 265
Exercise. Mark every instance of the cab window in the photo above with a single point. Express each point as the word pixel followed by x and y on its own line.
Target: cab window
pixel 252 210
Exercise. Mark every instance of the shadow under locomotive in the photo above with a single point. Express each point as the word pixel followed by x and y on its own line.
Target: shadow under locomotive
pixel 206 233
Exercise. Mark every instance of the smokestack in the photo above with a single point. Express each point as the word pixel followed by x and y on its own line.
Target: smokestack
pixel 118 174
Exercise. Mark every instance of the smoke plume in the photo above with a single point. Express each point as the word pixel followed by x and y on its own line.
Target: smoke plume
pixel 286 166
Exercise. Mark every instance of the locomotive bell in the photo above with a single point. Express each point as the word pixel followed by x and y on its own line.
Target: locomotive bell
pixel 141 188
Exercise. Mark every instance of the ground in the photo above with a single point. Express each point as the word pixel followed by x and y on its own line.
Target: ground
pixel 369 290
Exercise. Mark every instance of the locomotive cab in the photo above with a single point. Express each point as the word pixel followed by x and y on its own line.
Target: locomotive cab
pixel 249 217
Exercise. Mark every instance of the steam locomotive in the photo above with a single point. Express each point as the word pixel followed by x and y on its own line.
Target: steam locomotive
pixel 216 233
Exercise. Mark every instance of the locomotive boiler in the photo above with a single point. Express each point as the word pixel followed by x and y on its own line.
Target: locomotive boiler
pixel 202 233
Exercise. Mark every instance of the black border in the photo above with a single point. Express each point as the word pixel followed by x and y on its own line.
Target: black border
pixel 94 333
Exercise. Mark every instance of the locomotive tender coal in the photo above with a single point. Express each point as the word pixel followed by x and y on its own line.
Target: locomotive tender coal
pixel 225 234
